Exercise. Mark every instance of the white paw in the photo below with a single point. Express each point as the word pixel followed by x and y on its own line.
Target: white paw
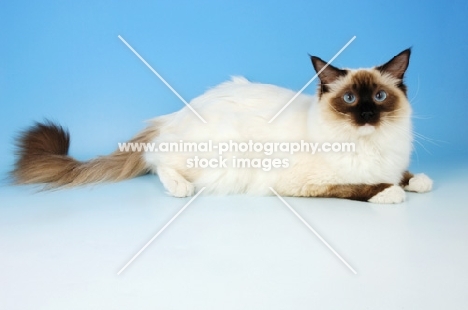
pixel 180 188
pixel 175 184
pixel 419 183
pixel 392 194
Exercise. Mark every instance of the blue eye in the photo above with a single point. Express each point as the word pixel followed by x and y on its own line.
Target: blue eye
pixel 380 96
pixel 349 97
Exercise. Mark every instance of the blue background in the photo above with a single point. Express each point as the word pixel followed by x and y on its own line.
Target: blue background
pixel 63 61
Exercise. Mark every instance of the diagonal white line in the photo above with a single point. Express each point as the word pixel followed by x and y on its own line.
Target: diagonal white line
pixel 313 230
pixel 312 79
pixel 162 79
pixel 160 231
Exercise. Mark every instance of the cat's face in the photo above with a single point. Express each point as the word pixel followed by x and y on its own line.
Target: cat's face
pixel 364 99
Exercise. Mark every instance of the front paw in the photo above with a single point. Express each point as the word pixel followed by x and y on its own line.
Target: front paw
pixel 392 194
pixel 419 183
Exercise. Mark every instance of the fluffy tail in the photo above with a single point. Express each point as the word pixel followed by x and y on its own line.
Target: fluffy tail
pixel 43 158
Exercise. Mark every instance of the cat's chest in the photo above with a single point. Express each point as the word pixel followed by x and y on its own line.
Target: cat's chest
pixel 371 163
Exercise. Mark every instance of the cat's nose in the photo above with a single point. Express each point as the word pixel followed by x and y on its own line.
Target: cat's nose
pixel 367 115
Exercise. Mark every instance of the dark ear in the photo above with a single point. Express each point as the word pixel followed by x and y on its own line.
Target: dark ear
pixel 397 66
pixel 328 74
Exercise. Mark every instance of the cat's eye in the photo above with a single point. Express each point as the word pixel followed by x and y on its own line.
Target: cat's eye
pixel 380 96
pixel 349 97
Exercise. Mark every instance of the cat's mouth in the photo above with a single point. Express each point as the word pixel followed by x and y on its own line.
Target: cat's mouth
pixel 366 130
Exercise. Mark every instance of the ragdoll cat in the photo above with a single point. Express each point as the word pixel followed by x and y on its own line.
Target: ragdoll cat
pixel 367 107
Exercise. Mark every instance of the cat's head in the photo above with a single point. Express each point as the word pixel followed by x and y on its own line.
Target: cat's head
pixel 364 99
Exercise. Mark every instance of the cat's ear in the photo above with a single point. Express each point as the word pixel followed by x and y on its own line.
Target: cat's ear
pixel 327 74
pixel 397 66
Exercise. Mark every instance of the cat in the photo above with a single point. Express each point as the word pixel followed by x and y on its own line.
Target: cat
pixel 366 107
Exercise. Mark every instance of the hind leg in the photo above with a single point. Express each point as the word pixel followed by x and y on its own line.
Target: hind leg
pixel 175 184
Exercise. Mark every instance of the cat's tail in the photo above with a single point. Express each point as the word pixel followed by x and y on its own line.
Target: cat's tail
pixel 42 157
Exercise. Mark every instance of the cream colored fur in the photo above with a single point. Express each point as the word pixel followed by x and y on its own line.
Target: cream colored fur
pixel 239 110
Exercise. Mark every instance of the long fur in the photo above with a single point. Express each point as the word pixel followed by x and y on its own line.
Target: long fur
pixel 239 111
pixel 42 157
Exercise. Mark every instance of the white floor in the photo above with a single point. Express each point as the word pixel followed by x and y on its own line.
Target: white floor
pixel 63 249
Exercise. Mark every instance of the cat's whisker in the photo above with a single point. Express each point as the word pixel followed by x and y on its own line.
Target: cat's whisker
pixel 422 117
pixel 418 135
pixel 408 134
pixel 413 134
pixel 425 138
pixel 415 95
pixel 422 145
pixel 394 113
pixel 396 110
pixel 344 114
pixel 389 127
pixel 415 140
pixel 396 117
pixel 393 125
